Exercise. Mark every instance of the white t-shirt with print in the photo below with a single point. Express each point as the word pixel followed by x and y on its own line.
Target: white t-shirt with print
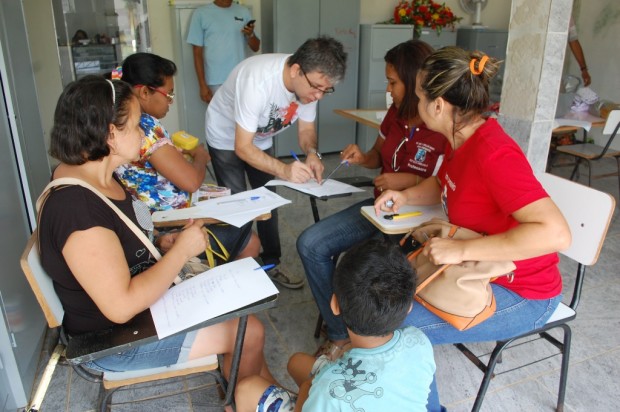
pixel 254 97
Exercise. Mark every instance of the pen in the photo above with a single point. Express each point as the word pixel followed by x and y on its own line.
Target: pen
pixel 238 200
pixel 402 215
pixel 266 267
pixel 295 156
pixel 334 171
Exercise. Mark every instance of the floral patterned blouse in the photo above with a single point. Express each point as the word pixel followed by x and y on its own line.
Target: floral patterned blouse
pixel 141 178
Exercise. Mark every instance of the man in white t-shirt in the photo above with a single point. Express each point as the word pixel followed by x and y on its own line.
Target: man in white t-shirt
pixel 263 96
pixel 218 33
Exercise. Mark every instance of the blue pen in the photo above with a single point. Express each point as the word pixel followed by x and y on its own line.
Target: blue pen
pixel 266 267
pixel 295 156
pixel 238 200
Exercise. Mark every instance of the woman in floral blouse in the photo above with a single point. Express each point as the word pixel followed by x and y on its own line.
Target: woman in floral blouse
pixel 163 178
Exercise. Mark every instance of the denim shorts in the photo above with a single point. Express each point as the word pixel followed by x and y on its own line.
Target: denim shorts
pixel 234 239
pixel 168 351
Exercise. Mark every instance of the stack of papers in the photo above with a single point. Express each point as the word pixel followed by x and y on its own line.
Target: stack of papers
pixel 236 210
pixel 213 293
pixel 328 188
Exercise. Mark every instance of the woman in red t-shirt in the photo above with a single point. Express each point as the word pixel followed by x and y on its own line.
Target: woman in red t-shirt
pixel 405 150
pixel 486 184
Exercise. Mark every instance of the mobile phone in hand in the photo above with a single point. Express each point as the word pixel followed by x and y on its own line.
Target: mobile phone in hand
pixel 251 22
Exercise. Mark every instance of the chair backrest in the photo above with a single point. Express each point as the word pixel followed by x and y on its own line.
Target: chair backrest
pixel 612 123
pixel 588 213
pixel 41 284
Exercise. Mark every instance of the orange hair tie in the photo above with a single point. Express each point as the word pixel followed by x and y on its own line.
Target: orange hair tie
pixel 472 65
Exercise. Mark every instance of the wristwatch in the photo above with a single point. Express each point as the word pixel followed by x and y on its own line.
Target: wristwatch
pixel 316 152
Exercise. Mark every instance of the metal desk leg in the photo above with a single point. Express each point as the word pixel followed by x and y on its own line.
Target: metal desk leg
pixel 315 210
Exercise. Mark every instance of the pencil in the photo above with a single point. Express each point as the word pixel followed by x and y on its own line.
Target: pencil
pixel 406 215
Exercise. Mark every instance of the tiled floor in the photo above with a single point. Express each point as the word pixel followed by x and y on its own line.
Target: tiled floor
pixel 595 356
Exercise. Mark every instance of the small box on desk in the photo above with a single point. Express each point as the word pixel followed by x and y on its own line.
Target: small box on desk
pixel 184 140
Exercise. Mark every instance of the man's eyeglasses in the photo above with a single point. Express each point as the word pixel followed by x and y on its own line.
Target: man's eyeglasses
pixel 169 96
pixel 329 90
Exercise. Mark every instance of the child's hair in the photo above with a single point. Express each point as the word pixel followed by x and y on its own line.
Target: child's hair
pixel 147 69
pixel 84 112
pixel 407 59
pixel 461 78
pixel 374 285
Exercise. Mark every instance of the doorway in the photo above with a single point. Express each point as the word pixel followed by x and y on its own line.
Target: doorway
pixel 94 36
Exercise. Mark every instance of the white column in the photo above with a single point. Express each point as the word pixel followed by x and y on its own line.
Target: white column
pixel 534 59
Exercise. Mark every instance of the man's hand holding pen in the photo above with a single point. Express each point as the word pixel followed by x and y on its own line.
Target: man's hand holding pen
pixel 299 172
pixel 316 165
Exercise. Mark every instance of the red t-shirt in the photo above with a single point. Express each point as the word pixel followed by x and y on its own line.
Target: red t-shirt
pixel 483 182
pixel 420 152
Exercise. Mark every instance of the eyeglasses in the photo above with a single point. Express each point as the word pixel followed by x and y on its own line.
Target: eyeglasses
pixel 405 139
pixel 329 90
pixel 169 96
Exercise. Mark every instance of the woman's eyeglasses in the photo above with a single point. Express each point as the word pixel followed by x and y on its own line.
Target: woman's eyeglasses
pixel 329 90
pixel 169 96
pixel 405 139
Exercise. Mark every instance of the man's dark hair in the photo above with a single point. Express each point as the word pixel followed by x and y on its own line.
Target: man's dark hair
pixel 147 69
pixel 374 285
pixel 84 112
pixel 324 55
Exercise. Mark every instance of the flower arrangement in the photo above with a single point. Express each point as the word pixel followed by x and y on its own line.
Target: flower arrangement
pixel 424 13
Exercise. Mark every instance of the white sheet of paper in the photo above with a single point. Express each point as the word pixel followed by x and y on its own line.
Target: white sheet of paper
pixel 576 119
pixel 220 290
pixel 329 188
pixel 237 209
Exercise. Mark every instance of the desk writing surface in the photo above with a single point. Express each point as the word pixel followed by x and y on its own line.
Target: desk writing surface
pixel 368 117
pixel 220 290
pixel 140 331
pixel 571 121
pixel 394 227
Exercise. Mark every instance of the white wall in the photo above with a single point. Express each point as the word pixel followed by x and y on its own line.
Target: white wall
pixel 160 24
pixel 598 26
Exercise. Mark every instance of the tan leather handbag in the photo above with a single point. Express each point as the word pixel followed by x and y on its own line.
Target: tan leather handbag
pixel 459 294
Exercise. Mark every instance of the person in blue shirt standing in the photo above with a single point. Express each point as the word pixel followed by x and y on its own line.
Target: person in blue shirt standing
pixel 218 33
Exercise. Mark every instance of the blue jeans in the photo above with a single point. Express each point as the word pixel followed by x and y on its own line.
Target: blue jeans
pixel 514 316
pixel 168 351
pixel 230 171
pixel 316 246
